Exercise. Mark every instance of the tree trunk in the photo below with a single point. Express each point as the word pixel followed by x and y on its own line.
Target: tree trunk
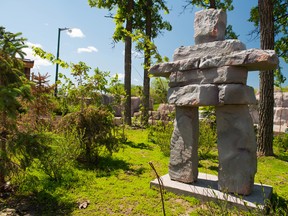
pixel 266 100
pixel 127 62
pixel 3 149
pixel 147 63
pixel 212 4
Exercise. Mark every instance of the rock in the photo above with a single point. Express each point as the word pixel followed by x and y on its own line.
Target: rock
pixel 281 116
pixel 183 164
pixel 232 94
pixel 237 149
pixel 281 99
pixel 214 48
pixel 118 121
pixel 9 212
pixel 83 205
pixel 221 75
pixel 164 108
pixel 164 69
pixel 135 105
pixel 209 25
pixel 252 59
pixel 194 95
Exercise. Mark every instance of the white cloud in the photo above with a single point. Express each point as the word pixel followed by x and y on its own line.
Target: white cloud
pixel 87 49
pixel 136 80
pixel 37 60
pixel 75 32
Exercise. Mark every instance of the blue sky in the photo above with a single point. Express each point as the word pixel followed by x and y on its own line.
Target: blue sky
pixel 90 40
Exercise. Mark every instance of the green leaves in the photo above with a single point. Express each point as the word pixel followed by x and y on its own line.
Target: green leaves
pixel 219 4
pixel 280 14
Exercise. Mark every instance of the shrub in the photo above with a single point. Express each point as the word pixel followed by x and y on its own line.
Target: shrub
pixel 207 138
pixel 281 141
pixel 160 134
pixel 96 126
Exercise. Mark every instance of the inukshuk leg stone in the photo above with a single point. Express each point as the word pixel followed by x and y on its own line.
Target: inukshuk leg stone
pixel 236 149
pixel 183 165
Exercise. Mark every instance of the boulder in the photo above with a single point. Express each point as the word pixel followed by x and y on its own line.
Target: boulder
pixel 252 59
pixel 209 25
pixel 232 94
pixel 215 48
pixel 183 164
pixel 221 75
pixel 194 95
pixel 236 148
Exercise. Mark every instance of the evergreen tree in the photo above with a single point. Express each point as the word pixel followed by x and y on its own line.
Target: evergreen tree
pixel 12 86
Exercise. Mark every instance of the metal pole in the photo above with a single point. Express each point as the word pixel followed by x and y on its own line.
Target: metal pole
pixel 57 57
pixel 57 65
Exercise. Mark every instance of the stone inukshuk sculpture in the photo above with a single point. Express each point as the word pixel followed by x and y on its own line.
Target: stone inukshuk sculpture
pixel 213 72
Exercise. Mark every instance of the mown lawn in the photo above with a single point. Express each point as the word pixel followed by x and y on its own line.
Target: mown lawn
pixel 120 185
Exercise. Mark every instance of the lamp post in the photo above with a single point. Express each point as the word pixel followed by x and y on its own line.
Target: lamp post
pixel 57 57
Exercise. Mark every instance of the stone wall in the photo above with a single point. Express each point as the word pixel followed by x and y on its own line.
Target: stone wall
pixel 280 111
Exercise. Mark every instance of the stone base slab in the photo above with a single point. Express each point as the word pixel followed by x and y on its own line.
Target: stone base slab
pixel 206 189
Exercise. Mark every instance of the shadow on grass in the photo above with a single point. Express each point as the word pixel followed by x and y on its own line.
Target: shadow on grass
pixel 105 166
pixel 138 145
pixel 40 203
pixel 279 205
pixel 283 157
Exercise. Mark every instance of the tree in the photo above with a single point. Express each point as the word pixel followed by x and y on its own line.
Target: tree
pixel 150 24
pixel 225 5
pixel 270 19
pixel 12 86
pixel 124 14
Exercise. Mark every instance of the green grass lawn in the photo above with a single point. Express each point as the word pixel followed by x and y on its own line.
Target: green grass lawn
pixel 120 185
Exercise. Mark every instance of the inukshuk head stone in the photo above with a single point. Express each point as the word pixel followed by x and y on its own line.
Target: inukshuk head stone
pixel 213 72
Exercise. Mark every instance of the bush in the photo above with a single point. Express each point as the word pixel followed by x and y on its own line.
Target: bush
pixel 96 128
pixel 160 134
pixel 60 157
pixel 207 138
pixel 281 141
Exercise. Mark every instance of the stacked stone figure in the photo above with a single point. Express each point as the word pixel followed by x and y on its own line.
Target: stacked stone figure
pixel 214 72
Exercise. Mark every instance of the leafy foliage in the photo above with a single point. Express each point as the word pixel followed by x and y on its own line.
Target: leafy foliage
pixel 280 14
pixel 96 127
pixel 219 4
pixel 159 90
pixel 61 154
pixel 13 85
pixel 160 134
pixel 38 112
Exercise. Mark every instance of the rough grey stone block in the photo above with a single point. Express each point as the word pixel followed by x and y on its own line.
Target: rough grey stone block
pixel 215 48
pixel 237 149
pixel 252 59
pixel 221 75
pixel 236 94
pixel 183 164
pixel 209 25
pixel 194 95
